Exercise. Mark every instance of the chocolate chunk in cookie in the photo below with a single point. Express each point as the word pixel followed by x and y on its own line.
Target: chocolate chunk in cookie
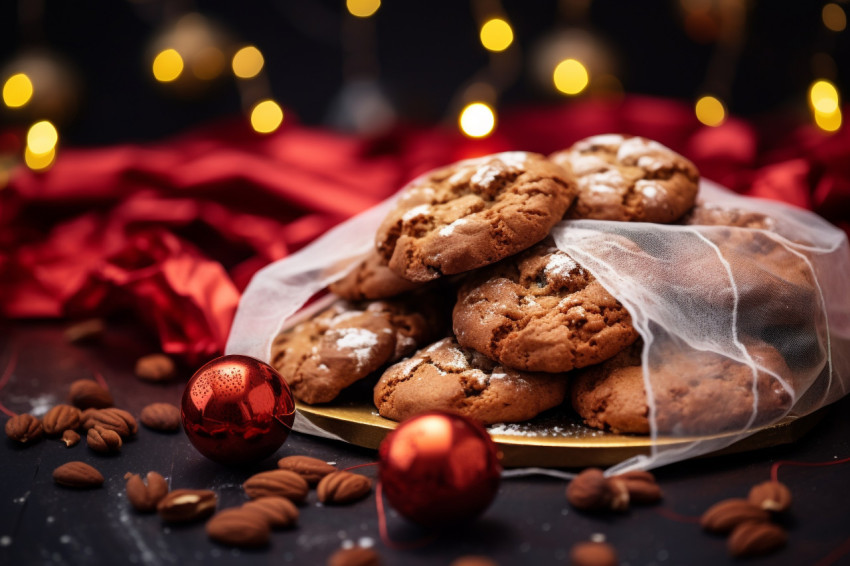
pixel 347 342
pixel 449 377
pixel 695 392
pixel 371 279
pixel 473 213
pixel 541 311
pixel 629 178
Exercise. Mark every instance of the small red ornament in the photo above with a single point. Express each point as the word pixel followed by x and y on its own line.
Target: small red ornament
pixel 439 468
pixel 237 410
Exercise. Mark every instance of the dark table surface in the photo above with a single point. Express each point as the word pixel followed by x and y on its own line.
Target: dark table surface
pixel 529 522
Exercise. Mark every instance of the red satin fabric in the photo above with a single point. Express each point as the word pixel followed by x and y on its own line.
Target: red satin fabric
pixel 174 230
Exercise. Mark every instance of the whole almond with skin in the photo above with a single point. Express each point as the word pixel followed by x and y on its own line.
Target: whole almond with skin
pixel 85 331
pixel 280 512
pixel 356 556
pixel 724 516
pixel 77 474
pixel 70 438
pixel 187 505
pixel 112 418
pixel 60 418
pixel 240 527
pixel 103 440
pixel 280 483
pixel 144 497
pixel 24 429
pixel 592 491
pixel 339 488
pixel 163 417
pixel 641 486
pixel 472 560
pixel 771 496
pixel 311 469
pixel 593 554
pixel 155 367
pixel 88 394
pixel 755 538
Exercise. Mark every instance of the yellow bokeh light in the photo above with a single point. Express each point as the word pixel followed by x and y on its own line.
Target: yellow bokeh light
pixel 362 8
pixel 834 17
pixel 710 111
pixel 496 35
pixel 828 121
pixel 823 96
pixel 266 116
pixel 42 137
pixel 477 120
pixel 167 65
pixel 247 62
pixel 39 161
pixel 570 76
pixel 17 90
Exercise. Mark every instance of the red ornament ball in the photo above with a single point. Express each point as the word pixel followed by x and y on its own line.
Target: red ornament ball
pixel 439 468
pixel 237 410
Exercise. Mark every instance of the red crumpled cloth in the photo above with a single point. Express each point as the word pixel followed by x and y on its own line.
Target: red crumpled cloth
pixel 174 230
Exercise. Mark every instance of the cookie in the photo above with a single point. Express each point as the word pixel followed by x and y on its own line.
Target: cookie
pixel 449 377
pixel 629 178
pixel 695 392
pixel 473 213
pixel 541 311
pixel 371 279
pixel 346 342
pixel 705 214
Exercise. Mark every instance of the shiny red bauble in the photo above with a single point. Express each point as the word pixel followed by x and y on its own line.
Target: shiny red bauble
pixel 438 469
pixel 237 410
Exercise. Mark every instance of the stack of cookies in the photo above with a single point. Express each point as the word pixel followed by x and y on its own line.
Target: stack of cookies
pixel 465 304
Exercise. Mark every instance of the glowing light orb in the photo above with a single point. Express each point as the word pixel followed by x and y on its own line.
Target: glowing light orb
pixel 247 62
pixel 167 65
pixel 710 111
pixel 496 35
pixel 362 8
pixel 17 90
pixel 477 120
pixel 570 76
pixel 266 116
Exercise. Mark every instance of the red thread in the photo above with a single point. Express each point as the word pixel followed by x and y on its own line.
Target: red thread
pixel 673 516
pixel 774 470
pixel 382 526
pixel 99 379
pixel 4 379
pixel 833 556
pixel 360 466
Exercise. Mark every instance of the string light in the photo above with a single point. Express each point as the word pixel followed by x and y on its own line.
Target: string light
pixel 42 137
pixel 39 161
pixel 362 8
pixel 247 62
pixel 167 65
pixel 823 96
pixel 710 111
pixel 17 90
pixel 496 35
pixel 834 17
pixel 266 116
pixel 571 76
pixel 477 120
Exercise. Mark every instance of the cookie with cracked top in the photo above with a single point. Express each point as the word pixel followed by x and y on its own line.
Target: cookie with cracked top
pixel 371 279
pixel 541 311
pixel 629 178
pixel 708 214
pixel 448 377
pixel 695 392
pixel 473 213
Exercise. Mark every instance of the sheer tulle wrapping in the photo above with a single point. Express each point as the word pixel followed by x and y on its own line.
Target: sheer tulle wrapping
pixel 707 296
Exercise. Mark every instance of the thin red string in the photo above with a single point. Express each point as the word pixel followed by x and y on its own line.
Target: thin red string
pixel 4 379
pixel 382 527
pixel 99 378
pixel 774 470
pixel 360 466
pixel 674 516
pixel 842 550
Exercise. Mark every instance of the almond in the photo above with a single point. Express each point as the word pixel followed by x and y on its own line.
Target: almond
pixel 87 394
pixel 60 418
pixel 155 367
pixel 357 556
pixel 593 554
pixel 755 538
pixel 77 474
pixel 592 491
pixel 111 418
pixel 724 516
pixel 342 487
pixel 70 438
pixel 145 497
pixel 472 560
pixel 279 512
pixel 641 486
pixel 103 440
pixel 85 331
pixel 280 483
pixel 24 428
pixel 770 496
pixel 163 417
pixel 186 505
pixel 311 469
pixel 240 527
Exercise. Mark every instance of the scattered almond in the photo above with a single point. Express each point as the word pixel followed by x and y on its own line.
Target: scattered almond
pixel 281 483
pixel 111 418
pixel 70 438
pixel 85 331
pixel 593 554
pixel 87 394
pixel 155 367
pixel 103 440
pixel 357 556
pixel 724 516
pixel 473 561
pixel 311 469
pixel 163 417
pixel 145 497
pixel 24 428
pixel 77 474
pixel 770 496
pixel 756 538
pixel 279 512
pixel 186 505
pixel 641 486
pixel 339 488
pixel 240 527
pixel 60 418
pixel 592 491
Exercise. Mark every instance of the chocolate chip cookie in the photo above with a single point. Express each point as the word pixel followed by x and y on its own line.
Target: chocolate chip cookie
pixel 541 311
pixel 695 392
pixel 371 279
pixel 473 213
pixel 629 178
pixel 449 377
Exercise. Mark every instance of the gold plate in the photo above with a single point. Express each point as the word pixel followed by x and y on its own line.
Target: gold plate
pixel 555 440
